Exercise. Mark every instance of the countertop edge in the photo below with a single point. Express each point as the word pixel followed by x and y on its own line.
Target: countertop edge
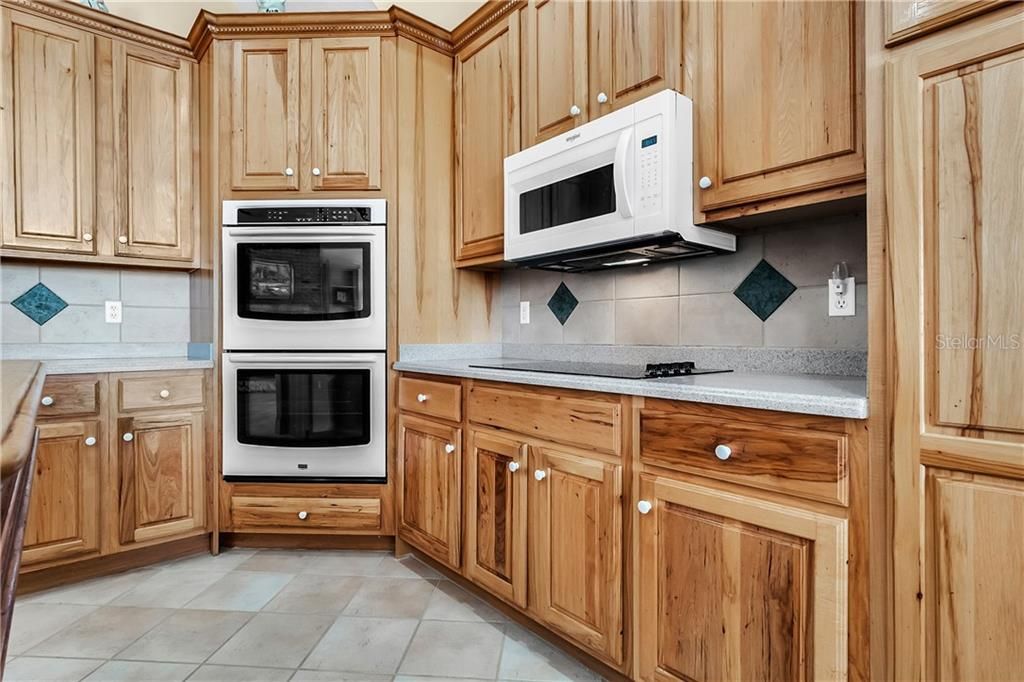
pixel 23 384
pixel 117 365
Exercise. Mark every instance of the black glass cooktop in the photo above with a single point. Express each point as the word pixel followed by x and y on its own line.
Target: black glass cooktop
pixel 601 369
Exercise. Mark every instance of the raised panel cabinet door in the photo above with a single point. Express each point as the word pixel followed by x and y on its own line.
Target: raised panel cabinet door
pixel 635 51
pixel 430 498
pixel 575 556
pixel 154 107
pixel 486 131
pixel 48 138
pixel 737 588
pixel 344 93
pixel 160 476
pixel 64 506
pixel 496 514
pixel 778 99
pixel 554 68
pixel 908 19
pixel 265 114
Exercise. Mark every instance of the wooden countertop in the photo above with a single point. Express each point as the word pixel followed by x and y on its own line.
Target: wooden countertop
pixel 21 384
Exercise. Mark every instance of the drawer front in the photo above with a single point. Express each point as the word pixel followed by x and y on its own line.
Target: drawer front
pixel 803 463
pixel 70 395
pixel 430 398
pixel 268 513
pixel 155 391
pixel 557 417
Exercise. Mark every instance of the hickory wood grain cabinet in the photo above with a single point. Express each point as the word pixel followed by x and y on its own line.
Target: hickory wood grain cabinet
pixel 305 114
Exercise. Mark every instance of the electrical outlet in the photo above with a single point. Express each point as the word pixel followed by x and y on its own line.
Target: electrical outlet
pixel 524 312
pixel 112 312
pixel 842 297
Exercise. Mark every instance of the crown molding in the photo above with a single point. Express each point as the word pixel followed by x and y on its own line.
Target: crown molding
pixel 479 21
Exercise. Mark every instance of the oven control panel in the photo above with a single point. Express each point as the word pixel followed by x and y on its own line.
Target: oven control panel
pixel 316 215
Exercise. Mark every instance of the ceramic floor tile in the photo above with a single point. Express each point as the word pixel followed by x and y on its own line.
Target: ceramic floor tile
pixel 406 567
pixel 234 673
pixel 276 561
pixel 334 676
pixel 454 650
pixel 241 591
pixel 451 602
pixel 390 598
pixel 363 645
pixel 527 657
pixel 227 560
pixel 40 669
pixel 273 640
pixel 168 589
pixel 102 633
pixel 99 591
pixel 424 678
pixel 187 636
pixel 348 562
pixel 139 671
pixel 327 594
pixel 35 622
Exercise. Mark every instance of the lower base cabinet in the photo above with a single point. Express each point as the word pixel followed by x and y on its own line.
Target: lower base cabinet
pixel 737 588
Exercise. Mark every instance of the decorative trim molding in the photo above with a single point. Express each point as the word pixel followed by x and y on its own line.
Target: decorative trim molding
pixel 485 17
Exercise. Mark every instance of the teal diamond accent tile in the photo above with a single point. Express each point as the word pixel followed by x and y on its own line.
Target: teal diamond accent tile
pixel 764 290
pixel 40 304
pixel 562 303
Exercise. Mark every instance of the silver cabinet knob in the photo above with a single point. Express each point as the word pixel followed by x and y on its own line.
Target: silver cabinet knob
pixel 47 400
pixel 122 240
pixel 90 441
pixel 127 438
pixel 87 237
pixel 575 110
pixel 513 467
pixel 540 474
pixel 165 394
pixel 303 515
pixel 316 171
pixel 421 397
pixel 449 448
pixel 723 452
pixel 289 172
pixel 602 98
pixel 704 182
pixel 643 506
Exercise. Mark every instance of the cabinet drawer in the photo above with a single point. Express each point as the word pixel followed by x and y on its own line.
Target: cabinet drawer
pixel 572 418
pixel 163 390
pixel 267 513
pixel 430 398
pixel 803 463
pixel 70 395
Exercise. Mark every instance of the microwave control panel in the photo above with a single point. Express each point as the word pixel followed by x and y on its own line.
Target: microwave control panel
pixel 650 172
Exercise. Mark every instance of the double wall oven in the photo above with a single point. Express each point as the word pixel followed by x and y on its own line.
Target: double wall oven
pixel 305 335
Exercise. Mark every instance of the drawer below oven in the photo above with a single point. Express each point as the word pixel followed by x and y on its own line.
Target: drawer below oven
pixel 297 513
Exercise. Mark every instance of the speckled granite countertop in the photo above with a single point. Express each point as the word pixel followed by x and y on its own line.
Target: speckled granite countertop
pixel 102 365
pixel 833 396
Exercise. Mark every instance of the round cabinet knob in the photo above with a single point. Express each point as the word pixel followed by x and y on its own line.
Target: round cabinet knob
pixel 303 515
pixel 704 182
pixel 127 438
pixel 449 448
pixel 316 171
pixel 289 172
pixel 575 110
pixel 90 441
pixel 165 394
pixel 602 98
pixel 421 397
pixel 47 400
pixel 540 474
pixel 513 467
pixel 723 452
pixel 122 240
pixel 87 237
pixel 643 506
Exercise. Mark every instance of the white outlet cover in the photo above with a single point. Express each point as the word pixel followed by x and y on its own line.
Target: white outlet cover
pixel 112 312
pixel 524 312
pixel 845 304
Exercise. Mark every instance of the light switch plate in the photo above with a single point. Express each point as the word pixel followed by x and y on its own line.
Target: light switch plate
pixel 524 312
pixel 112 312
pixel 842 304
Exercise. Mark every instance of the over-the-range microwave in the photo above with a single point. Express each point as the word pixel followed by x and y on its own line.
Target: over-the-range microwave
pixel 615 191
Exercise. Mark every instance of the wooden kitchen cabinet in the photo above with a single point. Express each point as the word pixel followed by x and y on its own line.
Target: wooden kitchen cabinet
pixel 495 489
pixel 430 498
pixel 735 587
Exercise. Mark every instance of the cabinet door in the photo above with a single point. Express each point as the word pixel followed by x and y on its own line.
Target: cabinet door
pixel 635 51
pixel 64 505
pixel 778 99
pixel 554 68
pixel 265 114
pixel 576 548
pixel 344 94
pixel 48 138
pixel 153 143
pixel 907 19
pixel 429 502
pixel 160 476
pixel 496 515
pixel 736 588
pixel 486 131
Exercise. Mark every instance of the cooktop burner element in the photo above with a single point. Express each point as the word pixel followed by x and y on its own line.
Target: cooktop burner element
pixel 601 369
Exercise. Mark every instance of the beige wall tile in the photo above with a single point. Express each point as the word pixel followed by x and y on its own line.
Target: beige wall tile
pixel 717 320
pixel 647 321
pixel 803 322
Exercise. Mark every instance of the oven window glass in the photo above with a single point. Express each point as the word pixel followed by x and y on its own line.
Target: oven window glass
pixel 298 408
pixel 583 196
pixel 304 281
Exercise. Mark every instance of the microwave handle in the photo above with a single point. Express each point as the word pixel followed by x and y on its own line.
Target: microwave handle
pixel 291 232
pixel 339 359
pixel 619 173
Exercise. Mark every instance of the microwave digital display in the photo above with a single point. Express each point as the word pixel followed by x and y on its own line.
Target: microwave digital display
pixel 648 141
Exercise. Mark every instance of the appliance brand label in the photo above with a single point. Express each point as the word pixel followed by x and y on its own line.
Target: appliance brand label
pixel 573 137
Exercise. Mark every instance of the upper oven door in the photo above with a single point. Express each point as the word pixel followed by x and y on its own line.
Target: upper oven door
pixel 297 288
pixel 572 191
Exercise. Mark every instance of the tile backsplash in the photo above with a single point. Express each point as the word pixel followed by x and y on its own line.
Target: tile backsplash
pixel 155 305
pixel 783 271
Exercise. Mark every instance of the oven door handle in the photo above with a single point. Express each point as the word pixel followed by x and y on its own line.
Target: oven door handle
pixel 277 232
pixel 273 359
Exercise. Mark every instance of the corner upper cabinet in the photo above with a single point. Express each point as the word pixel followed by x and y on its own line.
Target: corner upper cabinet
pixel 778 103
pixel 48 138
pixel 486 131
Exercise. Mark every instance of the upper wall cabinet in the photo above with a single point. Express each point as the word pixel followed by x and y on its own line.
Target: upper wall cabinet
pixel 305 114
pixel 778 98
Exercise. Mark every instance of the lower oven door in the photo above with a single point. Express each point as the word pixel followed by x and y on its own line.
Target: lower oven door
pixel 305 417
